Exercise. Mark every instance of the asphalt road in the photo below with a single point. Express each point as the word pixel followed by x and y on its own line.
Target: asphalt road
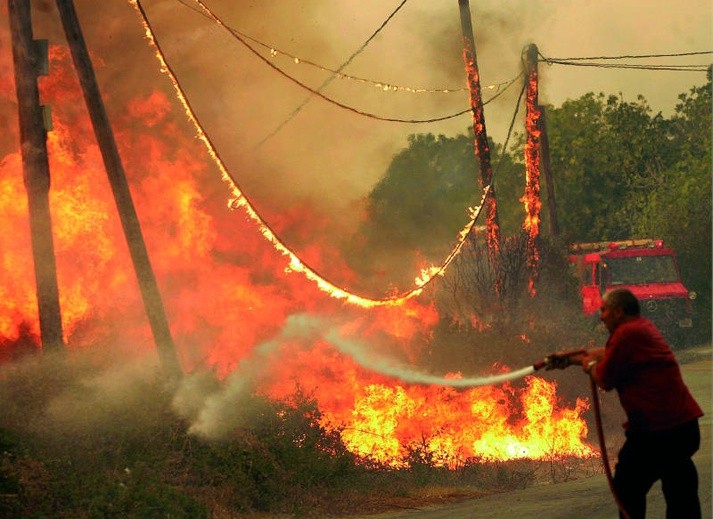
pixel 589 497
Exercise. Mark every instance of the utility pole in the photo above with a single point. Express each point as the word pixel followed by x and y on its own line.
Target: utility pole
pixel 547 173
pixel 545 165
pixel 482 148
pixel 122 195
pixel 29 62
pixel 531 197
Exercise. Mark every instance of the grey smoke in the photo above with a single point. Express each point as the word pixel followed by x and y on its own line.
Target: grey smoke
pixel 214 412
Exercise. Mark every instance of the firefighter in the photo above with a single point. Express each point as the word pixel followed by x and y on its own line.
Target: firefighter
pixel 662 431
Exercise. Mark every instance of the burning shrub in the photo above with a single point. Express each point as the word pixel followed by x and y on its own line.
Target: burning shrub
pixel 489 315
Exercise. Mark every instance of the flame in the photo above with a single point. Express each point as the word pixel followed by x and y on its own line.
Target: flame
pixel 226 292
pixel 482 148
pixel 240 201
pixel 382 421
pixel 531 198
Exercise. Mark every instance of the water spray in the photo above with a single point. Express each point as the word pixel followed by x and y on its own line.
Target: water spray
pixel 406 374
pixel 557 360
pixel 217 413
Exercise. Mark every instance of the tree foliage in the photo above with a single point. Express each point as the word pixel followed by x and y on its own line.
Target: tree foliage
pixel 622 173
pixel 619 170
pixel 421 203
pixel 605 152
pixel 679 207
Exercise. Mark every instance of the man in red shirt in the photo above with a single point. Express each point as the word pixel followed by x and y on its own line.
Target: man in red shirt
pixel 662 430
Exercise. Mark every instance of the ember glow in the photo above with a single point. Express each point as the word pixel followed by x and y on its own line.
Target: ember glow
pixel 531 198
pixel 231 305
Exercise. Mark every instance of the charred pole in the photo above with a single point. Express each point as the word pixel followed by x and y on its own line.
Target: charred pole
pixel 531 198
pixel 120 188
pixel 29 60
pixel 482 148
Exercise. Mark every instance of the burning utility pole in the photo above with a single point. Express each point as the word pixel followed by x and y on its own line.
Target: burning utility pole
pixel 122 195
pixel 531 198
pixel 30 61
pixel 482 148
pixel 545 164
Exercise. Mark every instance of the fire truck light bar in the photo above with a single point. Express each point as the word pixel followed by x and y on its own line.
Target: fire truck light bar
pixel 613 245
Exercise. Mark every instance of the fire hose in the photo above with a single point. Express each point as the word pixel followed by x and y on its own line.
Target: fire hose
pixel 565 359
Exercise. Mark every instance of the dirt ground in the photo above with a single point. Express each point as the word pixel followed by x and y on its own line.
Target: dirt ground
pixel 588 497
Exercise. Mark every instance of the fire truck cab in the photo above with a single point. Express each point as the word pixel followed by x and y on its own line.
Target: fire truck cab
pixel 645 267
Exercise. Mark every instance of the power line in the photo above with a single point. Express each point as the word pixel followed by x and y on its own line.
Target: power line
pixel 317 93
pixel 578 62
pixel 330 79
pixel 298 60
pixel 631 56
pixel 674 68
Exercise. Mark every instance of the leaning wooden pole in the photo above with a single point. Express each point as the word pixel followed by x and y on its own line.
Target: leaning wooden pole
pixel 482 148
pixel 122 195
pixel 36 171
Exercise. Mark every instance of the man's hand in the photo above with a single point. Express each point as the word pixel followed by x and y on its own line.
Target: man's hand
pixel 563 359
pixel 590 358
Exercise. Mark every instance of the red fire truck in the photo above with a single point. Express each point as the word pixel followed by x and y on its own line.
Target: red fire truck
pixel 645 267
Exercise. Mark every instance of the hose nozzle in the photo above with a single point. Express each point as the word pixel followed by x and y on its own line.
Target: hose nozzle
pixel 560 360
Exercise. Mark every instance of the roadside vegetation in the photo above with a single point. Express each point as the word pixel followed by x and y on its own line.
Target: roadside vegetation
pixel 143 463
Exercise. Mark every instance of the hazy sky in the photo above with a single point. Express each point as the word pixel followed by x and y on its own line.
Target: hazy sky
pixel 332 156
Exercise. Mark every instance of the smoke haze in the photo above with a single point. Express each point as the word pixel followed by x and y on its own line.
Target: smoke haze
pixel 331 157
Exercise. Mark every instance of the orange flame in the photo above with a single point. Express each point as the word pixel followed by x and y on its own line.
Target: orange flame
pixel 225 296
pixel 482 148
pixel 383 421
pixel 531 198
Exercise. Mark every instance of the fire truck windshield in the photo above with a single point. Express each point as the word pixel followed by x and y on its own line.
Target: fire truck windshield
pixel 639 270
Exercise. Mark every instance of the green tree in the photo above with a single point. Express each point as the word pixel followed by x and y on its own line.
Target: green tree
pixel 678 208
pixel 622 173
pixel 416 211
pixel 619 172
pixel 604 151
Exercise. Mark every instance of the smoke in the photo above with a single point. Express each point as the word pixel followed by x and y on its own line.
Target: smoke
pixel 241 101
pixel 213 411
pixel 330 157
pixel 59 395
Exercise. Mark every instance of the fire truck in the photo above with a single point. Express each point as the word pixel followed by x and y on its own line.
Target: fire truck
pixel 648 269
